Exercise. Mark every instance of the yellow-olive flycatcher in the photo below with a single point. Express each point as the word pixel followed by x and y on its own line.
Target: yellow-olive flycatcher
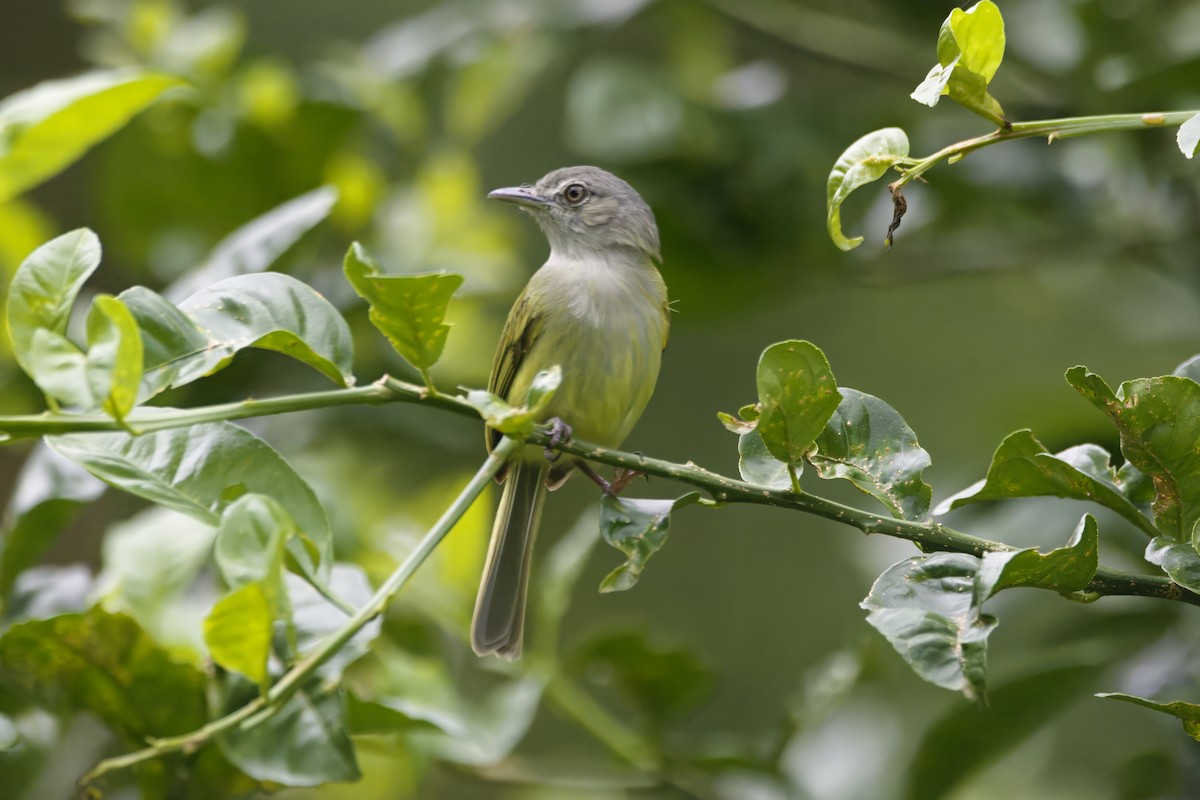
pixel 598 309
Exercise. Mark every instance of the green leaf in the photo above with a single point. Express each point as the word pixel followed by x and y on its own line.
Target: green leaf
pixel 1065 569
pixel 114 359
pixel 925 608
pixel 1023 467
pixel 1178 559
pixel 638 528
pixel 257 244
pixel 797 395
pixel 250 549
pixel 868 443
pixel 238 632
pixel 1188 136
pixel 1189 369
pixel 756 464
pixel 407 309
pixel 105 664
pixel 48 492
pixel 865 161
pixel 106 376
pixel 276 312
pixel 517 421
pixel 147 575
pixel 962 742
pixel 970 48
pixel 304 743
pixel 45 287
pixel 1187 713
pixel 200 471
pixel 45 128
pixel 1159 423
pixel 270 311
pixel 660 681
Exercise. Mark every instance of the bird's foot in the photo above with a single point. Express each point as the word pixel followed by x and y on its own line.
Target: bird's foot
pixel 560 433
pixel 621 479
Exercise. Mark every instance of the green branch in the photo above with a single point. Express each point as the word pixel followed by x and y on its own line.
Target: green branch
pixel 286 686
pixel 1051 129
pixel 929 536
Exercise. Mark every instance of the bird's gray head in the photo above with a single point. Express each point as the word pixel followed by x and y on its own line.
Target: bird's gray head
pixel 585 209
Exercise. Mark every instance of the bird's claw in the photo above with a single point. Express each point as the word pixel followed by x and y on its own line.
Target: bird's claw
pixel 560 434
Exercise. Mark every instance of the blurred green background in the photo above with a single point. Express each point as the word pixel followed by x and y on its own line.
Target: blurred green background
pixel 727 115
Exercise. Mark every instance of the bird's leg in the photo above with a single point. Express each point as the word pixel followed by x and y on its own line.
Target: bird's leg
pixel 560 433
pixel 623 477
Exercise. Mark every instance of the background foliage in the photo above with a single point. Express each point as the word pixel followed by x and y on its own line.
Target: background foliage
pixel 744 643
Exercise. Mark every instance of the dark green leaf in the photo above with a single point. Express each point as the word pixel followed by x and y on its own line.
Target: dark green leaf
pixel 257 244
pixel 1023 467
pixel 1066 569
pixel 45 287
pixel 797 395
pixel 238 632
pixel 199 471
pixel 963 742
pixel 638 528
pixel 407 309
pixel 660 681
pixel 1187 713
pixel 304 743
pixel 105 664
pixel 1159 423
pixel 47 495
pixel 1178 559
pixel 868 443
pixel 45 128
pixel 756 464
pixel 924 606
pixel 865 161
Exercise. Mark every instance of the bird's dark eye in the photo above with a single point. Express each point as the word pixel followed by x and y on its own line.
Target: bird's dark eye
pixel 575 194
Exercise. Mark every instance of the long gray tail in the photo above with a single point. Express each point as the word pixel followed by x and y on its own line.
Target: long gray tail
pixel 499 622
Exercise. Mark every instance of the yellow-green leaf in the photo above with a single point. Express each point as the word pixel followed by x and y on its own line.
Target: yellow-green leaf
pixel 45 128
pixel 238 632
pixel 408 309
pixel 865 161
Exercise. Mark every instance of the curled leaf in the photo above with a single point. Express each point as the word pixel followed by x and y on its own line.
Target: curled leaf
pixel 865 161
pixel 638 528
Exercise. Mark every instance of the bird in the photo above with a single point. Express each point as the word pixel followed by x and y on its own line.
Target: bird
pixel 597 309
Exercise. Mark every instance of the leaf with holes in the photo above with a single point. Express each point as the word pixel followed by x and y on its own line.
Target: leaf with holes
pixel 868 443
pixel 797 395
pixel 1159 423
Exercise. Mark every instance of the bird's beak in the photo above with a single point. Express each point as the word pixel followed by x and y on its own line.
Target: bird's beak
pixel 519 195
